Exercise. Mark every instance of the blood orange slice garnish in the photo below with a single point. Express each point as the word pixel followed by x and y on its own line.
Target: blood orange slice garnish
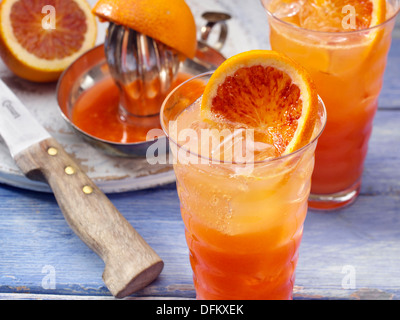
pixel 39 39
pixel 267 92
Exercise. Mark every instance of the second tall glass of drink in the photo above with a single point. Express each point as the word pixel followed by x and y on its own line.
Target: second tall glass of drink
pixel 348 68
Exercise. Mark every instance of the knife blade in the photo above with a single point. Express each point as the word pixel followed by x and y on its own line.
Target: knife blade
pixel 130 263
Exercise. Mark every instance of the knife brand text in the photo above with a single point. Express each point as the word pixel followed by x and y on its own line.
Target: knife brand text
pixel 8 105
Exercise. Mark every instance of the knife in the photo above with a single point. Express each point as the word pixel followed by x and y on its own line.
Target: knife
pixel 130 263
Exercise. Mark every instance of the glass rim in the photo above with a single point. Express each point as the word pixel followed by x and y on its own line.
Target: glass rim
pixel 216 161
pixel 341 33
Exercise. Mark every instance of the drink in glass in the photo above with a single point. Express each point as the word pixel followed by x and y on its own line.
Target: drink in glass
pixel 346 59
pixel 243 219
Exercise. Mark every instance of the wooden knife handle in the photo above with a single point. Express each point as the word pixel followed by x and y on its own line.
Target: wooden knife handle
pixel 130 263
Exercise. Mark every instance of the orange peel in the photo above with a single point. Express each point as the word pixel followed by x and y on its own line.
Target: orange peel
pixel 170 22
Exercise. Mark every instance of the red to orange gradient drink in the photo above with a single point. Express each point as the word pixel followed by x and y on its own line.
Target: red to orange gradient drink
pixel 344 45
pixel 243 219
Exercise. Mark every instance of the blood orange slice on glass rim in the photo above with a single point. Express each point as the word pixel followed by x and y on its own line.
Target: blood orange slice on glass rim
pixel 267 92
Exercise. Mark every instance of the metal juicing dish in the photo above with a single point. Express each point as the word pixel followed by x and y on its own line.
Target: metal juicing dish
pixel 91 68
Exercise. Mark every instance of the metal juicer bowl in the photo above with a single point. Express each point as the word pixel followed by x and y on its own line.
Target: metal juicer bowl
pixel 91 68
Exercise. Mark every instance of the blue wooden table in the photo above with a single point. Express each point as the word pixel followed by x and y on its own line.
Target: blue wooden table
pixel 353 253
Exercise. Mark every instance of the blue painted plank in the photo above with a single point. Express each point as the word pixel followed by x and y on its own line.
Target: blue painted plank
pixel 390 94
pixel 365 236
pixel 382 165
pixel 33 234
pixel 361 242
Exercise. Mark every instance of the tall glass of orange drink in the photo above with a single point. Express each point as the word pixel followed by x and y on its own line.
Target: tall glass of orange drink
pixel 243 219
pixel 344 45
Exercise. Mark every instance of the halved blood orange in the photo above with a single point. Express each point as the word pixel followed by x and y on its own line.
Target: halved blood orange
pixel 267 92
pixel 37 52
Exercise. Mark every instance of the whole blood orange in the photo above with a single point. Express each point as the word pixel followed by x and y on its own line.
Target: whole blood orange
pixel 170 22
pixel 37 52
pixel 267 92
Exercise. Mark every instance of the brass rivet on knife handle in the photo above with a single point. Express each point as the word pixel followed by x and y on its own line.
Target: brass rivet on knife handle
pixel 52 151
pixel 130 263
pixel 69 170
pixel 87 190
